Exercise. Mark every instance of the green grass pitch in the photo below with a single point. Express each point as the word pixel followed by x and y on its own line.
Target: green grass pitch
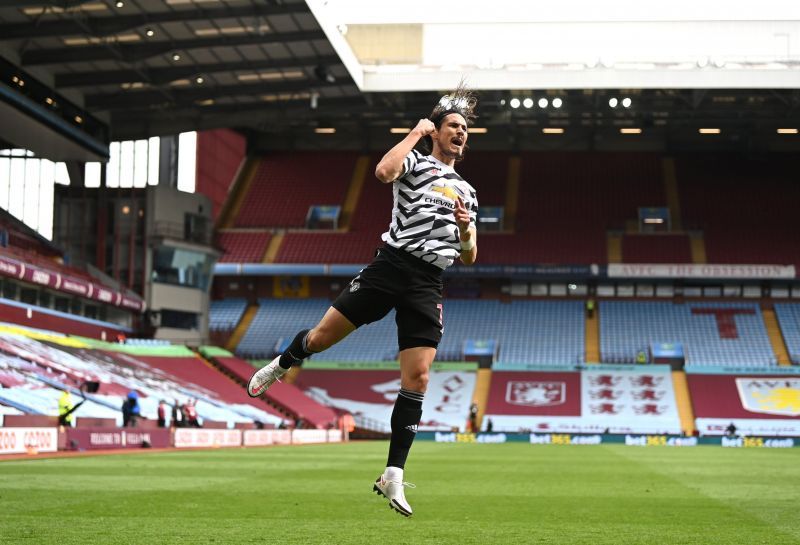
pixel 466 493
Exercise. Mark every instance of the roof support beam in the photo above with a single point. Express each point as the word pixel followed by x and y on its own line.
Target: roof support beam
pixel 106 26
pixel 162 76
pixel 141 51
pixel 127 100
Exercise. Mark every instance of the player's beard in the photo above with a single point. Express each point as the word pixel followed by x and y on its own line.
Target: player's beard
pixel 458 156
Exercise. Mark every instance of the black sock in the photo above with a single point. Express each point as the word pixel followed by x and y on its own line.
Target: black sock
pixel 405 419
pixel 296 352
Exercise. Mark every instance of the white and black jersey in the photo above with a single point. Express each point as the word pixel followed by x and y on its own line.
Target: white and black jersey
pixel 423 223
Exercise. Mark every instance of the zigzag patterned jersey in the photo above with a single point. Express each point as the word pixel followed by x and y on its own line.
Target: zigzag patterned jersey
pixel 423 223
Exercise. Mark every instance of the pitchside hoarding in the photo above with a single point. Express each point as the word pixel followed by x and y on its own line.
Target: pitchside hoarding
pixel 104 438
pixel 21 440
pixel 755 404
pixel 263 438
pixel 631 440
pixel 196 438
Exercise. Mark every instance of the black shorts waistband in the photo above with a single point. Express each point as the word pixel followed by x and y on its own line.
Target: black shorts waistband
pixel 412 260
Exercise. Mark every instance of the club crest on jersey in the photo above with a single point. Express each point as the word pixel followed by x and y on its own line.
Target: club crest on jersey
pixel 354 286
pixel 448 192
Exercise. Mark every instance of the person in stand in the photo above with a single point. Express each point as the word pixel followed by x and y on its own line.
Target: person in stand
pixel 65 409
pixel 190 413
pixel 433 224
pixel 473 418
pixel 130 410
pixel 178 420
pixel 162 414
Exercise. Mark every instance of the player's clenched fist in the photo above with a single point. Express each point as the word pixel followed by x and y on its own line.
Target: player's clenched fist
pixel 424 127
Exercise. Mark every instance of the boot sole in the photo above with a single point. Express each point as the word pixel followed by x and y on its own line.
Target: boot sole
pixel 248 387
pixel 392 503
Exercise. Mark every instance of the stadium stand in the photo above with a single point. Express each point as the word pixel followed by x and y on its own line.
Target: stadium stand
pixel 287 184
pixel 528 332
pixel 730 334
pixel 575 197
pixel 225 314
pixel 35 373
pixel 373 212
pixel 278 319
pixel 661 248
pixel 635 400
pixel 742 221
pixel 22 237
pixel 322 247
pixel 487 172
pixel 288 397
pixel 789 319
pixel 243 247
pixel 563 245
pixel 610 187
pixel 369 395
pixel 192 370
pixel 373 215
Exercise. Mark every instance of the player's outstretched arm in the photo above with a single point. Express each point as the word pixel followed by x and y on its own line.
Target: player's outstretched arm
pixel 390 166
pixel 466 233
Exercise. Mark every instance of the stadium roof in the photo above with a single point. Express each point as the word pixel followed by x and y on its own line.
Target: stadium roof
pixel 570 44
pixel 158 67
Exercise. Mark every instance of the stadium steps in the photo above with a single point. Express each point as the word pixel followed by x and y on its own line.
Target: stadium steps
pixel 671 192
pixel 273 248
pixel 593 337
pixel 354 191
pixel 241 328
pixel 697 244
pixel 684 402
pixel 483 381
pixel 238 191
pixel 775 336
pixel 614 246
pixel 512 194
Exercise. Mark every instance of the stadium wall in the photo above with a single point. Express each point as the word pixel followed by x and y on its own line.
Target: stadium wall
pixel 219 155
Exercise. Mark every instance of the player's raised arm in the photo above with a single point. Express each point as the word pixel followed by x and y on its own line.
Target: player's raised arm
pixel 390 166
pixel 466 234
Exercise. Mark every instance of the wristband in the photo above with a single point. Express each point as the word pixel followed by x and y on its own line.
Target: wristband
pixel 467 245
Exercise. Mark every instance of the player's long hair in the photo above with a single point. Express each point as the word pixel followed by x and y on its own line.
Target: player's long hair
pixel 461 101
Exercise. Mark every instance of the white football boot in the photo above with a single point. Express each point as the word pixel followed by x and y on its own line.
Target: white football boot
pixel 265 377
pixel 390 485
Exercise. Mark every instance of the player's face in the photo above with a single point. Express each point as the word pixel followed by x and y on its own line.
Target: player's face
pixel 452 135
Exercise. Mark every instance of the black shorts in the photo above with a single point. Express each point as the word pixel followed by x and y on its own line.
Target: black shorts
pixel 397 280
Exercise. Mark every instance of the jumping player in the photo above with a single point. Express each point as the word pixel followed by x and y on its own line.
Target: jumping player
pixel 433 223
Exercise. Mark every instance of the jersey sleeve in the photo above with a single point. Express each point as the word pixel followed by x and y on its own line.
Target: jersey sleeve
pixel 410 162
